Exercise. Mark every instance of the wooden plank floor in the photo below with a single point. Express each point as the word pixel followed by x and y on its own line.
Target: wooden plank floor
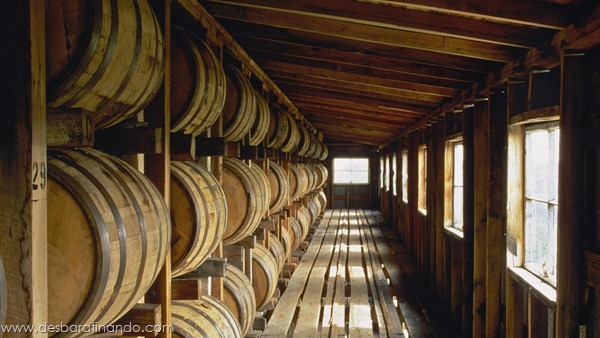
pixel 348 284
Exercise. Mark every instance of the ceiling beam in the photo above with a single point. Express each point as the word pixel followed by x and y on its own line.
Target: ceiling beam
pixel 524 12
pixel 332 65
pixel 357 89
pixel 248 29
pixel 366 32
pixel 393 65
pixel 352 75
pixel 399 17
pixel 351 111
pixel 326 117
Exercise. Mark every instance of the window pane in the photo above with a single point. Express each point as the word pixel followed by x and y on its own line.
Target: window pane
pixel 458 164
pixel 541 221
pixel 457 208
pixel 351 170
pixel 541 198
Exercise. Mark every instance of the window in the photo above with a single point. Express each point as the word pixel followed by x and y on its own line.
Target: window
pixel 387 172
pixel 422 162
pixel 351 171
pixel 453 213
pixel 541 199
pixel 381 169
pixel 404 176
pixel 394 176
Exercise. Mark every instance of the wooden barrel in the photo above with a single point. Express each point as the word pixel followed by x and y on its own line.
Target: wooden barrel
pixel 305 139
pixel 279 184
pixel 103 56
pixel 239 110
pixel 279 126
pixel 197 84
pixel 108 235
pixel 198 216
pixel 277 250
pixel 304 219
pixel 264 188
pixel 323 199
pixel 322 174
pixel 314 209
pixel 238 296
pixel 3 297
pixel 295 233
pixel 324 152
pixel 292 140
pixel 310 175
pixel 261 123
pixel 207 317
pixel 245 205
pixel 287 242
pixel 298 182
pixel 313 146
pixel 264 275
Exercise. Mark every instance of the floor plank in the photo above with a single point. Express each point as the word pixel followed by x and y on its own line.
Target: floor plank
pixel 350 283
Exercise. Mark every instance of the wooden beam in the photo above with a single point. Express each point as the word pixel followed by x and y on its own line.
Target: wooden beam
pixel 305 68
pixel 247 29
pixel 496 213
pixel 392 64
pixel 571 184
pixel 23 169
pixel 480 200
pixel 349 111
pixel 363 121
pixel 468 222
pixel 158 167
pixel 333 63
pixel 332 98
pixel 366 32
pixel 529 12
pixel 358 89
pixel 411 19
pixel 581 35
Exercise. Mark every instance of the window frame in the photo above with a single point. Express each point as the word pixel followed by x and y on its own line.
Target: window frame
pixel 516 203
pixel 450 183
pixel 404 175
pixel 352 158
pixel 422 179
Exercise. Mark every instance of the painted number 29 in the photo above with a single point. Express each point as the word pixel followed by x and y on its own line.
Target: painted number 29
pixel 39 175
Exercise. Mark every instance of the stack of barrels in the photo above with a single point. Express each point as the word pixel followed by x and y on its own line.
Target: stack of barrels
pixel 109 228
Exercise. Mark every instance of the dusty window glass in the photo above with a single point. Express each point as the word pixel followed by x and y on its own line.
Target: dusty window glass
pixel 541 199
pixel 351 170
pixel 394 170
pixel 457 186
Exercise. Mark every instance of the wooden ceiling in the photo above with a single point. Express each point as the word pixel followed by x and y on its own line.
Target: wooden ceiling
pixel 365 70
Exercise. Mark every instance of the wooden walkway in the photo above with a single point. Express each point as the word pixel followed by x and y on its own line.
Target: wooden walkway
pixel 349 284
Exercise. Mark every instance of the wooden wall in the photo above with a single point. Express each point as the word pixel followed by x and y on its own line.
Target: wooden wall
pixel 484 293
pixel 353 195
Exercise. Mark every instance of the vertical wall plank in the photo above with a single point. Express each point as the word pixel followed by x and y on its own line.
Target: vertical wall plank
pixel 480 194
pixel 23 162
pixel 157 167
pixel 570 188
pixel 496 213
pixel 468 225
pixel 440 148
pixel 514 309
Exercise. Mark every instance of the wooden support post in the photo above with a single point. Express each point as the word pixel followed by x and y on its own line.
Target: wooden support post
pixel 23 162
pixel 514 309
pixel 216 164
pixel 439 147
pixel 142 316
pixel 480 195
pixel 496 213
pixel 570 188
pixel 211 267
pixel 157 167
pixel 468 225
pixel 186 288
